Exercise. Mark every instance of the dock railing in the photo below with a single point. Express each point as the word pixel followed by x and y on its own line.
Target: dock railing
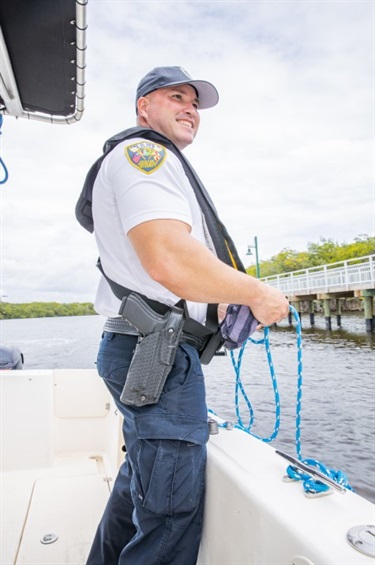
pixel 352 274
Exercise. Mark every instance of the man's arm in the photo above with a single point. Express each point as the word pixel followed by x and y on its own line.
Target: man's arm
pixel 179 262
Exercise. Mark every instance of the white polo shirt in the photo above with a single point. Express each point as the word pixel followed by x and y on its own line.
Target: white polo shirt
pixel 140 181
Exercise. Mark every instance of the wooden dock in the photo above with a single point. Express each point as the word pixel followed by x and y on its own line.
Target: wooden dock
pixel 346 279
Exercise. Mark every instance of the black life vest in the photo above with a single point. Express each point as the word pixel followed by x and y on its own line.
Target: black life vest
pixel 223 243
pixel 224 246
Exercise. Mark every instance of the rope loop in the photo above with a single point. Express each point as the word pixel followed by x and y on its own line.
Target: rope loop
pixel 313 486
pixel 310 484
pixel 239 388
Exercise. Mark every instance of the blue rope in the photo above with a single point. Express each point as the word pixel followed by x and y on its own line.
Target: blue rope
pixel 2 164
pixel 313 486
pixel 299 381
pixel 240 389
pixel 310 485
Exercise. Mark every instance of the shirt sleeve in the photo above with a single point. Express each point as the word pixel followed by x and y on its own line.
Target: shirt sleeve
pixel 143 195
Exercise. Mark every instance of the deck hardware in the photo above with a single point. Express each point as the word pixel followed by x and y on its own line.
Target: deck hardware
pixel 308 494
pixel 318 494
pixel 213 426
pixel 362 538
pixel 49 538
pixel 287 479
pixel 313 472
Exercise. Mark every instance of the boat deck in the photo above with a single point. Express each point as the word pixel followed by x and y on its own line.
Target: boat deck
pixel 35 504
pixel 61 446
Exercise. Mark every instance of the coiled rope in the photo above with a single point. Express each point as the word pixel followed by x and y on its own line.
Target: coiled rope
pixel 2 164
pixel 311 485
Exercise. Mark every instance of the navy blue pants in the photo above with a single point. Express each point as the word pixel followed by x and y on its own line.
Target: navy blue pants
pixel 155 512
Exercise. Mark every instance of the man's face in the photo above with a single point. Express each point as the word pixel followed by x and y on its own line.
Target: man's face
pixel 172 111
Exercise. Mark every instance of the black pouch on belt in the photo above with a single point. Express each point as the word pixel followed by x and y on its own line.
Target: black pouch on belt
pixel 155 351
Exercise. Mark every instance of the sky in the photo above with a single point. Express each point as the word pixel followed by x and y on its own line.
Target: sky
pixel 287 155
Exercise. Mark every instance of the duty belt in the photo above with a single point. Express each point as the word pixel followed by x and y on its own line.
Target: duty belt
pixel 121 326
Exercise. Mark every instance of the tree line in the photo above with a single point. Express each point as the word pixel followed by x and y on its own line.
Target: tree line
pixel 324 252
pixel 44 310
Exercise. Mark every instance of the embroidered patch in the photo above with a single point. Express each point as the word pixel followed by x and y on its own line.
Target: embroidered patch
pixel 146 156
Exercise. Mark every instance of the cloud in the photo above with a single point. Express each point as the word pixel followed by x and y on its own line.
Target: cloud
pixel 287 155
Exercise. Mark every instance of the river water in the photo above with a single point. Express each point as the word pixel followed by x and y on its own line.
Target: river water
pixel 338 391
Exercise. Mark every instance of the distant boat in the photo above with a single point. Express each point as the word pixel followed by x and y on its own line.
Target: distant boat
pixel 11 358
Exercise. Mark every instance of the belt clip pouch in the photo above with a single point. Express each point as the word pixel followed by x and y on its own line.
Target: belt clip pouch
pixel 237 326
pixel 152 361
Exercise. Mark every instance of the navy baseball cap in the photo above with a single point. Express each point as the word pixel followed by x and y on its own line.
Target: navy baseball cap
pixel 161 77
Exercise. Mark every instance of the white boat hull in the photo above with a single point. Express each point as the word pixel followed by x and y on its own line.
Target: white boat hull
pixel 61 447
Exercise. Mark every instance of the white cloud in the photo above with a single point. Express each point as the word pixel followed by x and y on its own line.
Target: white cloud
pixel 287 154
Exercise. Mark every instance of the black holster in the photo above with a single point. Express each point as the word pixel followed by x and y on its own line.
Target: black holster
pixel 154 353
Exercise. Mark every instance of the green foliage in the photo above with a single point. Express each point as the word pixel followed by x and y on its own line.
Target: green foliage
pixel 44 310
pixel 324 252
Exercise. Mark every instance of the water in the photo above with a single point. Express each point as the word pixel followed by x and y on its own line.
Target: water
pixel 338 397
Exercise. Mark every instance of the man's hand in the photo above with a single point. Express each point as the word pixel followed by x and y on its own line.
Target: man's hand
pixel 270 306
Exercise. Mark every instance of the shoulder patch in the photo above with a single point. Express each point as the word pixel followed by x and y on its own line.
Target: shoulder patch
pixel 146 156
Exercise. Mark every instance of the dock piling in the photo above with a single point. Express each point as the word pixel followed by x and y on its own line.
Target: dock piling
pixel 327 313
pixel 311 313
pixel 368 301
pixel 338 312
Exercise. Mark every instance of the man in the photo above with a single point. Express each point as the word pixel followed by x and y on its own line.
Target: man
pixel 157 240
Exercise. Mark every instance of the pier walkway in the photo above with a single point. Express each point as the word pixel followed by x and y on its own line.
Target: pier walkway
pixel 351 278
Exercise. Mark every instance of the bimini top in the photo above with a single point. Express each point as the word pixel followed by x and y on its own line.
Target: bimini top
pixel 42 59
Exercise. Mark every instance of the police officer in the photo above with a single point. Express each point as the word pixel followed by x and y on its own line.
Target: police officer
pixel 153 238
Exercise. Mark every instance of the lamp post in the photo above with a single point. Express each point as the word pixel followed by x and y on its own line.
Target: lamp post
pixel 249 252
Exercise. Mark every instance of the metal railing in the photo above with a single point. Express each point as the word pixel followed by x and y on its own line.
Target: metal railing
pixel 352 274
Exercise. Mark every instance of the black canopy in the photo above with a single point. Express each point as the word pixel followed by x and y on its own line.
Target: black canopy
pixel 43 47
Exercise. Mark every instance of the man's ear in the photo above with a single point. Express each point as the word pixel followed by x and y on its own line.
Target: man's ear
pixel 142 105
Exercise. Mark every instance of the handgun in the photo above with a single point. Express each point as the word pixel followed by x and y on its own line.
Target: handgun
pixel 140 315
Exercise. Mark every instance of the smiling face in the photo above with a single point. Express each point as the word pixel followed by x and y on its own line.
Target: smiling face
pixel 172 111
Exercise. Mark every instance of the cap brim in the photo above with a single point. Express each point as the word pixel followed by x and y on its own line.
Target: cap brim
pixel 208 96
